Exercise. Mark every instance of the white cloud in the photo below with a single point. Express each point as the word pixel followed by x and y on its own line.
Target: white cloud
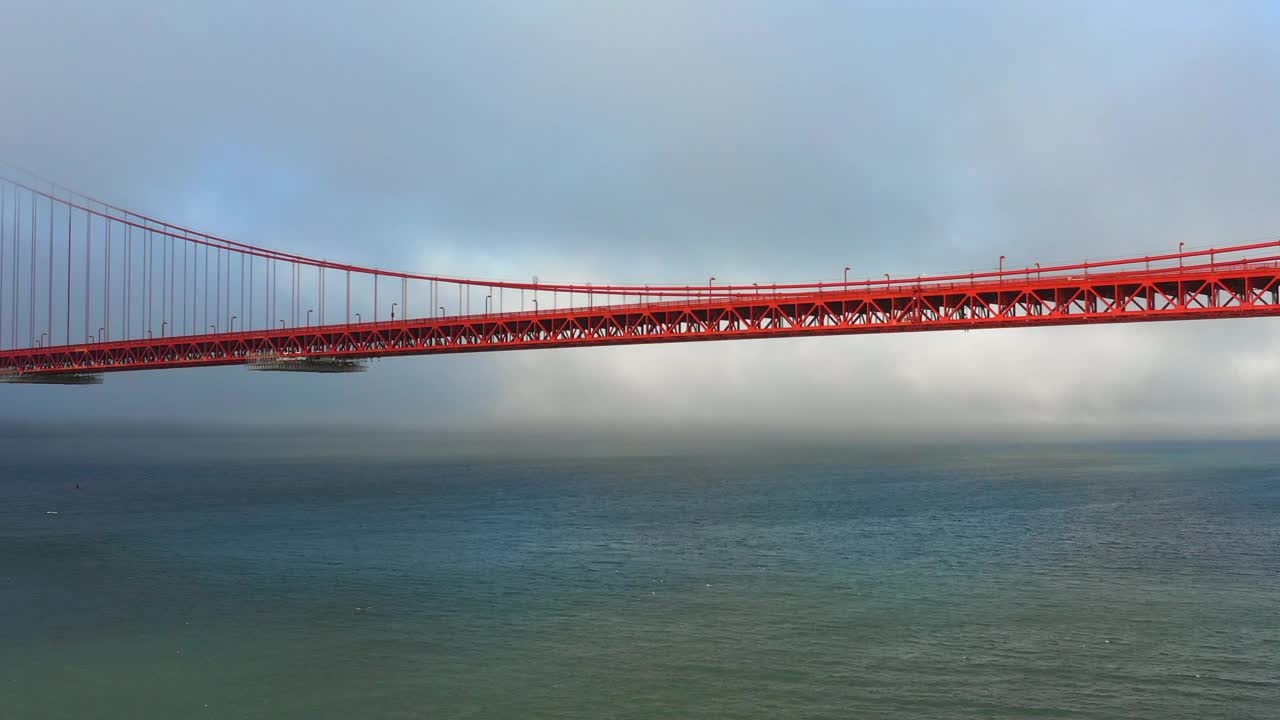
pixel 667 142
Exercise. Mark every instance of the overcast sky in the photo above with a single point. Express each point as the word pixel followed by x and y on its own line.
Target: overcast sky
pixel 671 141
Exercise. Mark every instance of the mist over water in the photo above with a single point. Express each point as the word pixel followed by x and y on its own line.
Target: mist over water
pixel 1084 581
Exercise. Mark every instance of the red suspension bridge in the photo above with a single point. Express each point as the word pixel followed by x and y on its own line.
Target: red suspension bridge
pixel 88 288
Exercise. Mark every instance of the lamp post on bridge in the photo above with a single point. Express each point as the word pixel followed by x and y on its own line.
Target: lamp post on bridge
pixel 441 311
pixel 393 312
pixel 40 342
pixel 308 317
pixel 488 302
pixel 358 318
pixel 231 324
pixel 1180 244
pixel 282 324
pixel 846 277
pixel 886 281
pixel 709 281
pixel 100 334
pixel 163 324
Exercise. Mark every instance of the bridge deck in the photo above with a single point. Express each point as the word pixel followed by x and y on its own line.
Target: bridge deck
pixel 1238 289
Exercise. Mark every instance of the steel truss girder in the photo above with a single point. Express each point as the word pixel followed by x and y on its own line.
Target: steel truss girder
pixel 1242 291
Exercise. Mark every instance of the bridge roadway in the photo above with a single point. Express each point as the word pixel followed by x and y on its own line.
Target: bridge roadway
pixel 1029 298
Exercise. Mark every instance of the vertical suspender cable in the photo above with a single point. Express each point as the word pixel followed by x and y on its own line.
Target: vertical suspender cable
pixel 149 268
pixel 190 279
pixel 31 280
pixel 128 282
pixel 17 256
pixel 173 281
pixel 4 210
pixel 49 311
pixel 69 209
pixel 106 286
pixel 88 257
pixel 164 282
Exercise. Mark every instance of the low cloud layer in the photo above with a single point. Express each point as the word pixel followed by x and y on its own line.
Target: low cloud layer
pixel 670 142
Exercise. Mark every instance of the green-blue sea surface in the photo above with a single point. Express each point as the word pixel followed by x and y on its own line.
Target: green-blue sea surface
pixel 1137 581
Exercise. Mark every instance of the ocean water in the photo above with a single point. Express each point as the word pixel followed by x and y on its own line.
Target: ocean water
pixel 1077 582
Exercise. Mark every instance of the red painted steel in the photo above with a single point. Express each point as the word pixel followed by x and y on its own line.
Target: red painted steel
pixel 248 322
pixel 1201 292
